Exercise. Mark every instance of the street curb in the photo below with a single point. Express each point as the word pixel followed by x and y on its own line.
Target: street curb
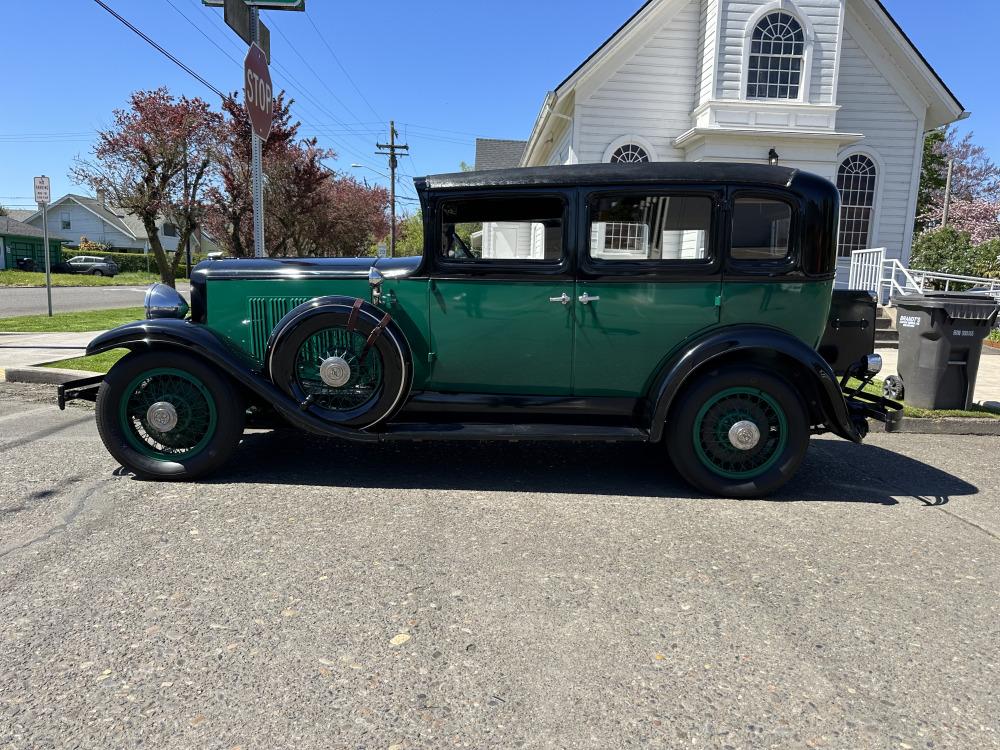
pixel 945 426
pixel 44 375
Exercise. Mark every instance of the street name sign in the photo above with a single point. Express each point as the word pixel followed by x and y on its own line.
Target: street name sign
pixel 237 15
pixel 43 192
pixel 258 94
pixel 263 4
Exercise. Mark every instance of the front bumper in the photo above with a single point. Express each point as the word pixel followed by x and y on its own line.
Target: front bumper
pixel 84 389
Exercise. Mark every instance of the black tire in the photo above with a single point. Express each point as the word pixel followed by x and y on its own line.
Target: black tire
pixel 97 272
pixel 697 435
pixel 892 387
pixel 199 389
pixel 300 343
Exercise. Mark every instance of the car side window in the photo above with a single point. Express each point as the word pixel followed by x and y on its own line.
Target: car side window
pixel 657 228
pixel 761 229
pixel 484 230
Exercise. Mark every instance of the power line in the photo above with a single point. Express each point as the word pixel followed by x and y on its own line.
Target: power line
pixel 202 32
pixel 285 74
pixel 160 49
pixel 319 78
pixel 341 65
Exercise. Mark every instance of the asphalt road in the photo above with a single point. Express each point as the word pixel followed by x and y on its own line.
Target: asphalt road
pixel 321 595
pixel 32 301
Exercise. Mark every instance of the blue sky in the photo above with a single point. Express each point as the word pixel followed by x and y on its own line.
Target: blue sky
pixel 445 70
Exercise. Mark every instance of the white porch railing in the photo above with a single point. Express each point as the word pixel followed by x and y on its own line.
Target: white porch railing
pixel 883 277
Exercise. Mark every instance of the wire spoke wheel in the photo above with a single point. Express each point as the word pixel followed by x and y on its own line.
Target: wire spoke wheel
pixel 730 411
pixel 362 386
pixel 191 408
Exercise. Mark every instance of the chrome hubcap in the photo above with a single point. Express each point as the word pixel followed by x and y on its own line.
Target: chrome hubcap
pixel 744 435
pixel 162 416
pixel 335 372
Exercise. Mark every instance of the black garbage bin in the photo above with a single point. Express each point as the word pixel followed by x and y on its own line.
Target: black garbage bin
pixel 940 342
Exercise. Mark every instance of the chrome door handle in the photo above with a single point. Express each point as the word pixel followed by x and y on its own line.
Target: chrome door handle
pixel 563 298
pixel 586 299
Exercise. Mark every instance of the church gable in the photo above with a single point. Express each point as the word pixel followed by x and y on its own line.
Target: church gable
pixel 637 97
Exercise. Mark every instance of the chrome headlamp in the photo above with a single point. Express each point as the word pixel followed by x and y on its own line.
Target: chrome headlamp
pixel 163 301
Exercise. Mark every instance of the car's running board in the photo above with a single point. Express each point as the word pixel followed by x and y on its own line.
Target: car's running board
pixel 579 433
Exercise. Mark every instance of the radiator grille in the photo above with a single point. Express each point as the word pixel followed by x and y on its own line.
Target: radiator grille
pixel 264 314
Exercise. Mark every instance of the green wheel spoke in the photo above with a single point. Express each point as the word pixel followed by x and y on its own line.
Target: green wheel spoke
pixel 190 399
pixel 717 417
pixel 365 382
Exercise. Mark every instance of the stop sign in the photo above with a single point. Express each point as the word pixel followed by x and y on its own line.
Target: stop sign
pixel 257 92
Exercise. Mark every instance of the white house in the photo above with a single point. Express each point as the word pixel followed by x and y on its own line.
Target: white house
pixel 78 216
pixel 834 87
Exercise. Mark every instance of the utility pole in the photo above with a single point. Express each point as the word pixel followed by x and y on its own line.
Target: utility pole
pixel 947 193
pixel 390 149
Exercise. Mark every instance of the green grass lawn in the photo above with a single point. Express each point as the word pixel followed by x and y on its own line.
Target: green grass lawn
pixel 36 278
pixel 98 363
pixel 976 412
pixel 72 322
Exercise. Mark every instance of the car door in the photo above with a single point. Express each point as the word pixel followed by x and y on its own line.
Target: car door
pixel 500 294
pixel 649 280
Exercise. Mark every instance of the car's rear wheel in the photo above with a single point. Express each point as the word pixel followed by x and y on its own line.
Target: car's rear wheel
pixel 168 415
pixel 738 432
pixel 97 272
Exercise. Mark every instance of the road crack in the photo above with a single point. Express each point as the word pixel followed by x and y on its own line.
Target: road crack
pixel 78 502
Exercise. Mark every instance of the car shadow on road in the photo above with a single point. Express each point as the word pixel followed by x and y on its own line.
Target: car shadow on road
pixel 833 471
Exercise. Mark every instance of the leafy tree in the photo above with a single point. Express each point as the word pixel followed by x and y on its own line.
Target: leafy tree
pixel 3 211
pixel 410 235
pixel 154 161
pixel 975 176
pixel 230 215
pixel 933 176
pixel 945 250
pixel 975 185
pixel 309 210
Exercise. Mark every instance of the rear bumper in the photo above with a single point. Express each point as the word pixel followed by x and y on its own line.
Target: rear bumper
pixel 865 406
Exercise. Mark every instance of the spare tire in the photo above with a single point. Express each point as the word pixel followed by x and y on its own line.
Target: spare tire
pixel 343 359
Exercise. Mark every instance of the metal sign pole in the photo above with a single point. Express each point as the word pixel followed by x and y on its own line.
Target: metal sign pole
pixel 256 162
pixel 48 263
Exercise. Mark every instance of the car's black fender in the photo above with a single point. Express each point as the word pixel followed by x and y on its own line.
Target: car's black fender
pixel 748 344
pixel 145 335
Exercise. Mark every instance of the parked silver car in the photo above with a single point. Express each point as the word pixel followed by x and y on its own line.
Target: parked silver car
pixel 93 265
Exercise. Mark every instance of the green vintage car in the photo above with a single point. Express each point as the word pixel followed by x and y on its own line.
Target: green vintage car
pixel 678 304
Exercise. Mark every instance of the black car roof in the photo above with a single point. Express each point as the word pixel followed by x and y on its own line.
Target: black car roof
pixel 615 174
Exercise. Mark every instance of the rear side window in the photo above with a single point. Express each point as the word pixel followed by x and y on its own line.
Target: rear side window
pixel 658 228
pixel 761 229
pixel 502 229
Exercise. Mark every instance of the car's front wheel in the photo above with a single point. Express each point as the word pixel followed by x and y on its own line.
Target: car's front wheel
pixel 168 415
pixel 738 432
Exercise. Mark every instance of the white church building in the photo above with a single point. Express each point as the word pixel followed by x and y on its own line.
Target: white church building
pixel 834 87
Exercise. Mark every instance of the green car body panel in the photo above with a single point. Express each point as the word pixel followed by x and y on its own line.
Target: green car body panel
pixel 800 308
pixel 508 337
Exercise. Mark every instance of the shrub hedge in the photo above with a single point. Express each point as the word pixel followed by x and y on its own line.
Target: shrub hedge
pixel 135 261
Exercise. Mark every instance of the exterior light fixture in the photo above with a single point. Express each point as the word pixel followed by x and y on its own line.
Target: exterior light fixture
pixel 773 157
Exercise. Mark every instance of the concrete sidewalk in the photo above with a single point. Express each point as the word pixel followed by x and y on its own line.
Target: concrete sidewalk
pixel 987 381
pixel 26 349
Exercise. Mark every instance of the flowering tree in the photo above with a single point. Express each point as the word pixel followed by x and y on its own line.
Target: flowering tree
pixel 975 186
pixel 309 210
pixel 155 162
